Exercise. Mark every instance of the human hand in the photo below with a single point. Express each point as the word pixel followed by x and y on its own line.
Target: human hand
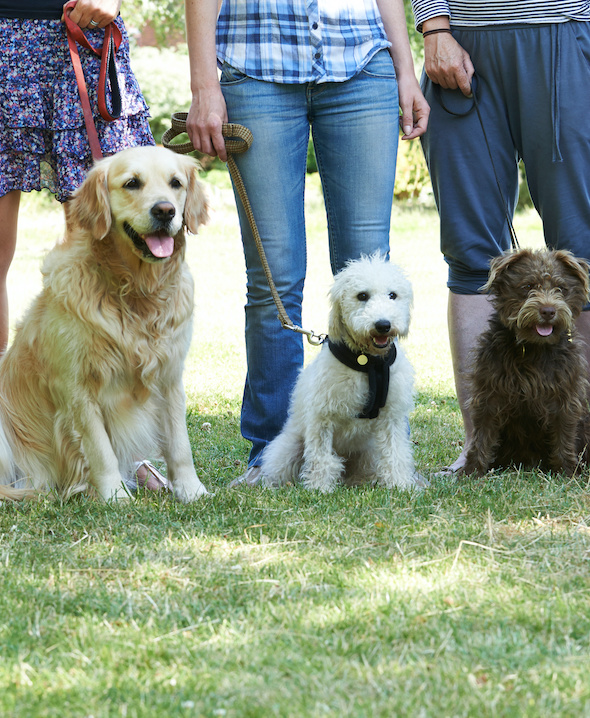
pixel 206 116
pixel 414 108
pixel 447 63
pixel 92 14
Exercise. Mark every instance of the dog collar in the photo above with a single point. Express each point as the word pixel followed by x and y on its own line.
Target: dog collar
pixel 377 369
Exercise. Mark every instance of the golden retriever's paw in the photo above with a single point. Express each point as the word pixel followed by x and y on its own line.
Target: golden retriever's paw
pixel 187 492
pixel 119 495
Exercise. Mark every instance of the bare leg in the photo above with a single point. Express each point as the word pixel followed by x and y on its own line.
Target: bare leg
pixel 468 316
pixel 9 204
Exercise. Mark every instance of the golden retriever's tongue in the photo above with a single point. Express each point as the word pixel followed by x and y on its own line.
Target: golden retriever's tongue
pixel 160 246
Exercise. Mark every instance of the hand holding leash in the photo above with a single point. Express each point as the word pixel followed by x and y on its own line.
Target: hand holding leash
pixel 238 140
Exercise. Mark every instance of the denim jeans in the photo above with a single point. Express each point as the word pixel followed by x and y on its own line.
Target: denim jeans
pixel 355 127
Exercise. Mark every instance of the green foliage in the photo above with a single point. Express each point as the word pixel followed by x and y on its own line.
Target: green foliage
pixel 165 17
pixel 163 75
pixel 411 178
pixel 312 165
pixel 416 40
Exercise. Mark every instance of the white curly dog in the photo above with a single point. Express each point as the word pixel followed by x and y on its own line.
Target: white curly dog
pixel 348 419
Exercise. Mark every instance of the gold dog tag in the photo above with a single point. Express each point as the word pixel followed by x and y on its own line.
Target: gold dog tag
pixel 362 359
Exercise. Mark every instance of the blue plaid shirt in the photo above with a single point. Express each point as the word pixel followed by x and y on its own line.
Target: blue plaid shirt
pixel 295 41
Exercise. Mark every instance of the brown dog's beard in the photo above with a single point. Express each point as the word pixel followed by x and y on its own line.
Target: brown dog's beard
pixel 529 383
pixel 538 297
pixel 541 319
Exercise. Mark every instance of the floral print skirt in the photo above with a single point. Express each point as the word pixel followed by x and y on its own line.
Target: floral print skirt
pixel 43 140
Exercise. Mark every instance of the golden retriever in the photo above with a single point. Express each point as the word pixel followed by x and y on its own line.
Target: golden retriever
pixel 93 379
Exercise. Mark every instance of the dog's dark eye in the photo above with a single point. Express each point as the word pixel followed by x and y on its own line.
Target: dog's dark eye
pixel 132 183
pixel 362 297
pixel 175 183
pixel 392 295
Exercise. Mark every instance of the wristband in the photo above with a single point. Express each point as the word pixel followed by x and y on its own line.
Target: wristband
pixel 434 32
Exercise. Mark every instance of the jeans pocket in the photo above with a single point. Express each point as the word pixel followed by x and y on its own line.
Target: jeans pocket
pixel 231 76
pixel 380 65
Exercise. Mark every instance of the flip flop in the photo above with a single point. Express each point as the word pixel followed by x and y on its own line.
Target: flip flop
pixel 152 481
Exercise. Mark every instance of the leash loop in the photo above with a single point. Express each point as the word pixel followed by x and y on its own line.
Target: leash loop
pixel 111 42
pixel 475 106
pixel 238 139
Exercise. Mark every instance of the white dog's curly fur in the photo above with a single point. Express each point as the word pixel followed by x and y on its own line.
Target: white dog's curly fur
pixel 324 441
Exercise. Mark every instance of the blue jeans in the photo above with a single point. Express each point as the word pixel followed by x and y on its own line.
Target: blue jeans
pixel 355 127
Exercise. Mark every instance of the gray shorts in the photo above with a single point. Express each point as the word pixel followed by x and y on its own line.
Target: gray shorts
pixel 532 89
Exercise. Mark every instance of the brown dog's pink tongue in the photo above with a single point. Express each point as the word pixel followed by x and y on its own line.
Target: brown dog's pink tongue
pixel 160 246
pixel 544 329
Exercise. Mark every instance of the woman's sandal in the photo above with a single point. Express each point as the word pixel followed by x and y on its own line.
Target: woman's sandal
pixel 145 475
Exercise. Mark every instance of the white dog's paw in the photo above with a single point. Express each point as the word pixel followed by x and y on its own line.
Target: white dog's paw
pixel 319 480
pixel 322 474
pixel 319 484
pixel 406 481
pixel 185 491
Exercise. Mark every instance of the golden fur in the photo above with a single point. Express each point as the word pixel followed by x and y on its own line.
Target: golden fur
pixel 93 379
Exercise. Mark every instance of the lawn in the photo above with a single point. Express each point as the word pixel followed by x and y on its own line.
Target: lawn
pixel 469 599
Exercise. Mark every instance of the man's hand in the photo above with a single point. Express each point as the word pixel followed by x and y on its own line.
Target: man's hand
pixel 447 63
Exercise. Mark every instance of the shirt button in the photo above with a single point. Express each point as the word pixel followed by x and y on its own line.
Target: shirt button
pixel 314 26
pixel 318 55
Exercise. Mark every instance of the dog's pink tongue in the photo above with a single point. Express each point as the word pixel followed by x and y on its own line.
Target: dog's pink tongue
pixel 160 246
pixel 544 329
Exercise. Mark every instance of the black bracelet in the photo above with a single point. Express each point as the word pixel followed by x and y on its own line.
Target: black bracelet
pixel 434 32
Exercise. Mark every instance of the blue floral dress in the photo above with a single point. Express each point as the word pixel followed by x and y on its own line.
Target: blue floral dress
pixel 43 140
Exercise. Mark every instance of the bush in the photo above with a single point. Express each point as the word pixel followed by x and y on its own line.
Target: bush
pixel 411 177
pixel 163 75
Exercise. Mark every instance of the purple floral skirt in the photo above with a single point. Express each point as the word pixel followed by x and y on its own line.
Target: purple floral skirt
pixel 43 140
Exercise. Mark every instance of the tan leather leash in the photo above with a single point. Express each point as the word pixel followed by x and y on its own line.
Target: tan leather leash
pixel 111 42
pixel 237 140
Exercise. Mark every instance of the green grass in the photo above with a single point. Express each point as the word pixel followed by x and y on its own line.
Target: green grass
pixel 470 599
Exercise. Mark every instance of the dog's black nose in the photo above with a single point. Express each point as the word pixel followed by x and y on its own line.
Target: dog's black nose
pixel 382 326
pixel 547 312
pixel 163 211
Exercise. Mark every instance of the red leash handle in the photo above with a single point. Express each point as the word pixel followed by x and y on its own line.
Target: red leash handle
pixel 112 40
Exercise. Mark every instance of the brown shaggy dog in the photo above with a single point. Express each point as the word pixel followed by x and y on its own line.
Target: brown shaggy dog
pixel 93 379
pixel 530 386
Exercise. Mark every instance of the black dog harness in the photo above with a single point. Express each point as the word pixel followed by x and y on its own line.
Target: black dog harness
pixel 377 369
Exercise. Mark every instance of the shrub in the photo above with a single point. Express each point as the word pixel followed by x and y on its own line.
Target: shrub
pixel 163 75
pixel 411 177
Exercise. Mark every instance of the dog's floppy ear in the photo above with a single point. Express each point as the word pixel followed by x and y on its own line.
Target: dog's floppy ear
pixel 336 326
pixel 576 268
pixel 90 206
pixel 500 264
pixel 195 207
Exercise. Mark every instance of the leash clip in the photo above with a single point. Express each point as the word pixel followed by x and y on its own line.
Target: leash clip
pixel 314 339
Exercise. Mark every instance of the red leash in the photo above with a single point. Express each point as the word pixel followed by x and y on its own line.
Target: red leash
pixel 112 40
